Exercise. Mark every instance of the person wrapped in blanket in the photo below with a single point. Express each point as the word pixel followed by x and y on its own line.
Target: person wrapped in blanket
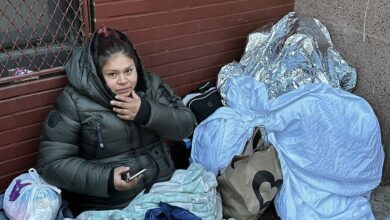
pixel 111 118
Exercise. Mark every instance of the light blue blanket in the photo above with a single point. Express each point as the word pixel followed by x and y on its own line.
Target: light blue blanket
pixel 193 189
pixel 328 142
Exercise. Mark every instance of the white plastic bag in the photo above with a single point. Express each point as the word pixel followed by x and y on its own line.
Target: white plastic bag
pixel 29 197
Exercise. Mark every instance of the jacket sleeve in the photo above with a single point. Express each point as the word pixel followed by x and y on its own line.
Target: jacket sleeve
pixel 169 117
pixel 58 160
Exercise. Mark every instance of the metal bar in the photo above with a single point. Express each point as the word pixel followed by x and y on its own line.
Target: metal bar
pixel 88 7
pixel 31 76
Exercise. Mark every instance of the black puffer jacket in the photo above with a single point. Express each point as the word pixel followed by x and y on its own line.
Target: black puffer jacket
pixel 83 139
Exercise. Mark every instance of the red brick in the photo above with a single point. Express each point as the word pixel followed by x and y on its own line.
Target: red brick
pixel 32 86
pixel 8 152
pixel 168 5
pixel 32 116
pixel 264 4
pixel 15 150
pixel 150 20
pixel 213 23
pixel 196 51
pixel 115 9
pixel 27 102
pixel 207 11
pixel 157 33
pixel 186 41
pixel 160 70
pixel 7 123
pixel 193 76
pixel 203 37
pixel 121 23
pixel 208 2
pixel 194 64
pixel 50 96
pixel 28 147
pixel 7 107
pixel 190 27
pixel 265 14
pixel 20 134
pixel 153 47
pixel 49 83
pixel 102 1
pixel 16 164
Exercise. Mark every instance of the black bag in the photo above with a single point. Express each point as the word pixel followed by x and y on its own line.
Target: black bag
pixel 203 102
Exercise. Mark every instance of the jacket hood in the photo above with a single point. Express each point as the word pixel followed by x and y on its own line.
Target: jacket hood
pixel 83 75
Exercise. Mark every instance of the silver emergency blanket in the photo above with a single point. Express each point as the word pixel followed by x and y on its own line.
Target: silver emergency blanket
pixel 296 51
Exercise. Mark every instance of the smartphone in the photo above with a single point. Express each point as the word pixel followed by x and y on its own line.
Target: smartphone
pixel 127 177
pixel 137 174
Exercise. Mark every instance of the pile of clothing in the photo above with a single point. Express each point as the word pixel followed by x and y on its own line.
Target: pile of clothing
pixel 292 82
pixel 193 189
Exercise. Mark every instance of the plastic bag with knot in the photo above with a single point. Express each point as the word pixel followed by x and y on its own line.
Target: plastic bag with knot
pixel 30 197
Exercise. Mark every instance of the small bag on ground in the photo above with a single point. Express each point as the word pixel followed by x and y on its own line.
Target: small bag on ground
pixel 203 102
pixel 250 183
pixel 29 197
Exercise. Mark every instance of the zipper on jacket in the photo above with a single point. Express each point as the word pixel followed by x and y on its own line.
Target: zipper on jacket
pixel 127 124
pixel 165 154
pixel 99 134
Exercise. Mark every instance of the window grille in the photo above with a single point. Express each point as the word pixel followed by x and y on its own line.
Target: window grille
pixel 38 36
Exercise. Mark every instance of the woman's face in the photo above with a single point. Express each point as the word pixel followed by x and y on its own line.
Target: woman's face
pixel 120 74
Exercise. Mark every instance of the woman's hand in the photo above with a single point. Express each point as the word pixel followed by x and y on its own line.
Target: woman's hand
pixel 126 107
pixel 122 185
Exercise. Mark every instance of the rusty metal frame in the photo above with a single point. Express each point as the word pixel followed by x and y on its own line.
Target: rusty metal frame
pixel 89 13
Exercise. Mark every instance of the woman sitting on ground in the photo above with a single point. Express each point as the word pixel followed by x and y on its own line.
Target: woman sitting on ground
pixel 111 118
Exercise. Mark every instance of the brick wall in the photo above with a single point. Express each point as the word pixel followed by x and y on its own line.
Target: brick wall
pixel 186 42
pixel 23 107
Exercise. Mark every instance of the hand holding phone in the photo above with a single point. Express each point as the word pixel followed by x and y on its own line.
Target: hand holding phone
pixel 127 177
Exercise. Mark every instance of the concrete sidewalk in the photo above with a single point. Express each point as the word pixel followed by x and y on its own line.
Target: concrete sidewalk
pixel 380 202
pixel 380 205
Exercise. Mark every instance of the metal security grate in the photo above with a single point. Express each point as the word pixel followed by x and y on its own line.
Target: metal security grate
pixel 38 36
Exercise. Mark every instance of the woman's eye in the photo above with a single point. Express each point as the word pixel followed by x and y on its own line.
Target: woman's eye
pixel 112 75
pixel 128 71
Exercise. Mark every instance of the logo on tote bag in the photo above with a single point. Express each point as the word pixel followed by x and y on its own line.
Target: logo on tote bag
pixel 265 187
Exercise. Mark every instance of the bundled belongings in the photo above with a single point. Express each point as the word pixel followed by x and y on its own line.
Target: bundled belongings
pixel 30 197
pixel 328 143
pixel 291 80
pixel 296 51
pixel 250 183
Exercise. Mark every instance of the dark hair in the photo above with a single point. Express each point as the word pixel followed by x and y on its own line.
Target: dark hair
pixel 108 42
